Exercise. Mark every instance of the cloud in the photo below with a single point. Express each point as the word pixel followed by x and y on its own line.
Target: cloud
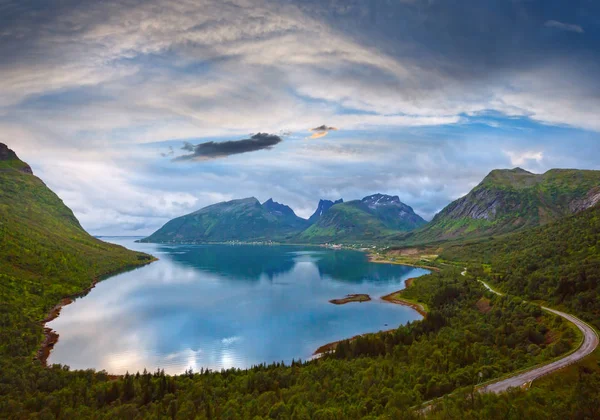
pixel 323 128
pixel 321 131
pixel 187 146
pixel 99 77
pixel 172 70
pixel 171 152
pixel 520 158
pixel 563 26
pixel 214 150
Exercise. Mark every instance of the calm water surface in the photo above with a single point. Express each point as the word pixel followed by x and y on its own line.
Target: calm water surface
pixel 221 306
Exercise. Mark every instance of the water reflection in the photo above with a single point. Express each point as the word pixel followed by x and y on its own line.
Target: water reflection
pixel 225 306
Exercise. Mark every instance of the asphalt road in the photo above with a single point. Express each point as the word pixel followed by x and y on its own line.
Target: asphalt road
pixel 590 342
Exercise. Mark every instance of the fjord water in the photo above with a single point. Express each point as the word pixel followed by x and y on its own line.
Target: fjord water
pixel 221 306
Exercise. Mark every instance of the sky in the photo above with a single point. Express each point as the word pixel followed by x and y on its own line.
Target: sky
pixel 135 112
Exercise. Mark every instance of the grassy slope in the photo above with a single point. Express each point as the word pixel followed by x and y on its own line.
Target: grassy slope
pixel 511 200
pixel 243 220
pixel 389 216
pixel 44 255
pixel 559 262
pixel 346 222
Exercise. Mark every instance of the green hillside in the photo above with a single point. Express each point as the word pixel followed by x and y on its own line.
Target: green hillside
pixel 393 213
pixel 45 255
pixel 510 200
pixel 558 262
pixel 374 218
pixel 237 220
pixel 346 222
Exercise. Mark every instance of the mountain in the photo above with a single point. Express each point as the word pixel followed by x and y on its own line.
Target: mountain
pixel 45 255
pixel 393 213
pixel 237 220
pixel 558 262
pixel 372 218
pixel 285 214
pixel 323 206
pixel 513 199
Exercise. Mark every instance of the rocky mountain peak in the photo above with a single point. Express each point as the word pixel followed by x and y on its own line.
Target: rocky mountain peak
pixel 247 200
pixel 7 154
pixel 381 200
pixel 322 208
pixel 516 178
pixel 278 209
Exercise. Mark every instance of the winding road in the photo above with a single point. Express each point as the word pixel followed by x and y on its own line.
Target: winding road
pixel 589 344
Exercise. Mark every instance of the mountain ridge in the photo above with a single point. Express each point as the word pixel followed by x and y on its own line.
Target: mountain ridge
pixel 244 219
pixel 377 216
pixel 322 208
pixel 10 158
pixel 508 200
pixel 248 220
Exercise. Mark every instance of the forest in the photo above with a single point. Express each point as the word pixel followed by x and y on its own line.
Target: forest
pixel 384 375
pixel 558 263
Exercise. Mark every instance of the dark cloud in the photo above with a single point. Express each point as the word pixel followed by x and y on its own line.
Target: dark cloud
pixel 323 128
pixel 188 146
pixel 214 150
pixel 467 38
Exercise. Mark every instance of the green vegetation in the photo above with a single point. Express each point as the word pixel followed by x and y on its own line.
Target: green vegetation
pixel 367 220
pixel 346 222
pixel 45 256
pixel 402 297
pixel 558 263
pixel 236 220
pixel 378 376
pixel 511 200
pixel 505 201
pixel 571 393
pixel 392 212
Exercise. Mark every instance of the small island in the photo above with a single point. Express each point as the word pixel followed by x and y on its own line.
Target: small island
pixel 361 297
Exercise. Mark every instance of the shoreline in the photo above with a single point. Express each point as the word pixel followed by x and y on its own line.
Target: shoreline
pixel 375 260
pixel 404 302
pixel 328 347
pixel 50 336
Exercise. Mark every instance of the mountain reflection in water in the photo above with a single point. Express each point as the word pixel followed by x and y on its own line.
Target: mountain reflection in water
pixel 221 306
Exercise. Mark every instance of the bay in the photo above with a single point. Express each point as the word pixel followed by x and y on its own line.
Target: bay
pixel 222 306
